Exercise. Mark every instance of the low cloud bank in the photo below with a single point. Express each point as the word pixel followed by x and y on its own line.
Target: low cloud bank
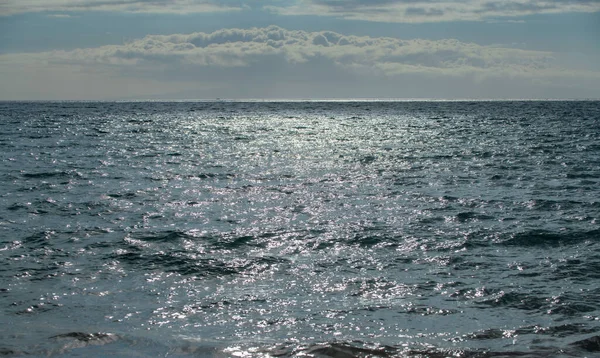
pixel 272 61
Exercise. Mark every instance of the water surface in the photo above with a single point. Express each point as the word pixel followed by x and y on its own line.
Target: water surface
pixel 300 228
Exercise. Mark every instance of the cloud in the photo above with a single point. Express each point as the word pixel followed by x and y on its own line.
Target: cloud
pixel 369 10
pixel 275 62
pixel 431 10
pixel 10 7
pixel 248 47
pixel 59 16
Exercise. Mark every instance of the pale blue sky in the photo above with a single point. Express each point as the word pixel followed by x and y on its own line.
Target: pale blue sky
pixel 107 49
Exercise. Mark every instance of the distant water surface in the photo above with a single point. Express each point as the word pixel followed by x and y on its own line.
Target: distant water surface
pixel 330 229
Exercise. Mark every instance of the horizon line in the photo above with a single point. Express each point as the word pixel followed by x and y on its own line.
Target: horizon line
pixel 349 99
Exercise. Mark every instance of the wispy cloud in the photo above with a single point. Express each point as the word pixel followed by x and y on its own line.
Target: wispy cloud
pixel 59 16
pixel 431 10
pixel 369 10
pixel 260 59
pixel 10 7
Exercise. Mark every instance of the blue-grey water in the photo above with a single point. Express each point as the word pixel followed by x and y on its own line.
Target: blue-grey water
pixel 330 229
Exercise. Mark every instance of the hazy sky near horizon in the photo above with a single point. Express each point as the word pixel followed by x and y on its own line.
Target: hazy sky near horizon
pixel 202 49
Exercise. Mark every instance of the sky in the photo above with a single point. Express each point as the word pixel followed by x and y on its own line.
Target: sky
pixel 299 49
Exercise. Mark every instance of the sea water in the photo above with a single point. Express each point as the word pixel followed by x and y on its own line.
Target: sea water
pixel 332 229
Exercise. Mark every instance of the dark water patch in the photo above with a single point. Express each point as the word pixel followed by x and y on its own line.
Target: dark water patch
pixel 54 174
pixel 39 308
pixel 164 236
pixel 9 352
pixel 543 238
pixel 472 216
pixel 50 269
pixel 243 138
pixel 38 136
pixel 233 241
pixel 516 300
pixel 190 265
pixel 462 264
pixel 493 333
pixel 140 121
pixel 588 184
pixel 369 240
pixel 148 155
pixel 584 175
pixel 572 308
pixel 218 176
pixel 79 340
pixel 177 263
pixel 577 269
pixel 529 274
pixel 108 245
pixel 480 238
pixel 17 206
pixel 591 344
pixel 128 195
pixel 432 220
pixel 564 330
pixel 324 245
pixel 371 234
pixel 236 242
pixel 368 159
pixel 552 205
pixel 39 238
pixel 44 175
pixel 449 198
pixel 87 337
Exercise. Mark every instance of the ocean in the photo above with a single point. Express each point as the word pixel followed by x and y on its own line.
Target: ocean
pixel 300 228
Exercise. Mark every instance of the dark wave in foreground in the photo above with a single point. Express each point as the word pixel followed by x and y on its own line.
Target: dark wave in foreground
pixel 80 343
